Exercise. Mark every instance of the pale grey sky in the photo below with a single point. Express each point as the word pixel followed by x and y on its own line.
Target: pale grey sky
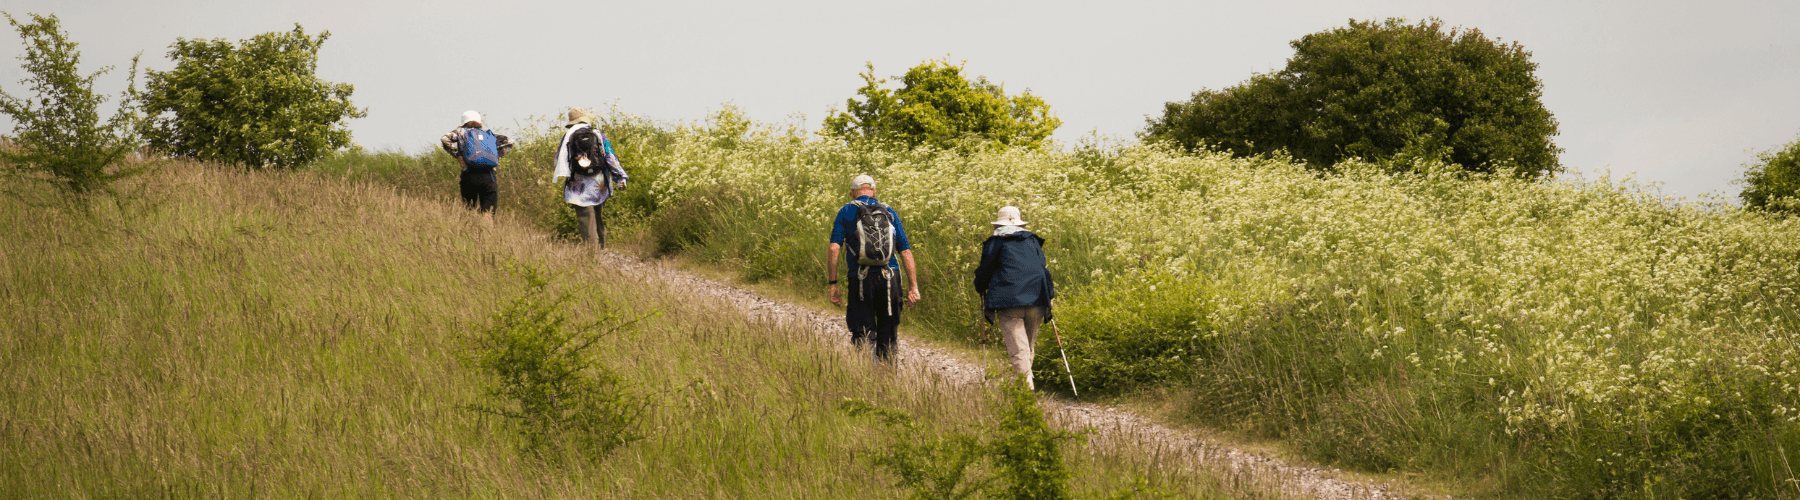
pixel 1681 93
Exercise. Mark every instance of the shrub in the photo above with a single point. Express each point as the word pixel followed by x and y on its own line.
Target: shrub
pixel 1772 183
pixel 937 106
pixel 547 381
pixel 59 132
pixel 256 103
pixel 1382 91
pixel 1142 328
pixel 1026 455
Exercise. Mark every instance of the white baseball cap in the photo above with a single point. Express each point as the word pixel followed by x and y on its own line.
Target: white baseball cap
pixel 1008 216
pixel 858 182
pixel 471 116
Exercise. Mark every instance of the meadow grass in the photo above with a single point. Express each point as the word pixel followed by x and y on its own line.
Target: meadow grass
pixel 233 334
pixel 1572 338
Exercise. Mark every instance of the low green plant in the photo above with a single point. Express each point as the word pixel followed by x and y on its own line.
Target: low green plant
pixel 1025 457
pixel 59 133
pixel 1137 329
pixel 545 379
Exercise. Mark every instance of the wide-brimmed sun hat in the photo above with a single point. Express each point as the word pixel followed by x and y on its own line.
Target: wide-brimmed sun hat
pixel 471 116
pixel 578 115
pixel 1008 216
pixel 858 182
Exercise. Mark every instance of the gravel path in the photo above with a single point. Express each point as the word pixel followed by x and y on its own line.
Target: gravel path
pixel 925 362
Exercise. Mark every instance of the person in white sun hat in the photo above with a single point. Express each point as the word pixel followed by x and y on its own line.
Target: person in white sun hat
pixel 874 244
pixel 478 150
pixel 1016 288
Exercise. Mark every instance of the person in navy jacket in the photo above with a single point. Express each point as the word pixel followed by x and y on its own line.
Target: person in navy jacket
pixel 1016 288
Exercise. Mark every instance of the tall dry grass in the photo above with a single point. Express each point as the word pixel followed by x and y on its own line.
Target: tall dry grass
pixel 266 334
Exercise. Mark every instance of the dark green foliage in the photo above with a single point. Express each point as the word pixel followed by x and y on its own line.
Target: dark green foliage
pixel 937 106
pixel 1130 331
pixel 933 467
pixel 1390 92
pixel 547 382
pixel 1026 455
pixel 1773 182
pixel 256 103
pixel 59 132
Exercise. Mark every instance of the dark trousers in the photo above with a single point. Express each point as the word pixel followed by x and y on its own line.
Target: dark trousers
pixel 873 312
pixel 480 190
pixel 591 225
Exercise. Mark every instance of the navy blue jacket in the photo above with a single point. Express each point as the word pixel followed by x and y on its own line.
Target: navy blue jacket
pixel 1013 272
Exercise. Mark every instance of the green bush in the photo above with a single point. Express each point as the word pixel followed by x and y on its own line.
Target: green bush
pixel 1772 183
pixel 256 103
pixel 546 380
pixel 1025 456
pixel 1382 91
pixel 1139 329
pixel 937 106
pixel 59 132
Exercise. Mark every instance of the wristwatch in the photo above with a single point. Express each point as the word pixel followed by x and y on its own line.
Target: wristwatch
pixel 832 282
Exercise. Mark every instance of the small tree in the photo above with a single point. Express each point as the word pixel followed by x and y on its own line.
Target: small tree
pixel 255 104
pixel 1389 91
pixel 1772 183
pixel 937 106
pixel 59 132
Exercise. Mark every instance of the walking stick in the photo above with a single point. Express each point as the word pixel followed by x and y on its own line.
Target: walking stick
pixel 1065 357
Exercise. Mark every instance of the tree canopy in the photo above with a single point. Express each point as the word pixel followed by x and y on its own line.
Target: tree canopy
pixel 937 106
pixel 256 103
pixel 1389 91
pixel 59 132
pixel 1772 183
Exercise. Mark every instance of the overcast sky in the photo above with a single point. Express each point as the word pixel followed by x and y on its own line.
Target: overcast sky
pixel 1682 93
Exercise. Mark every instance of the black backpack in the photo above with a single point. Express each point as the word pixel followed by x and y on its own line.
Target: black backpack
pixel 585 144
pixel 873 237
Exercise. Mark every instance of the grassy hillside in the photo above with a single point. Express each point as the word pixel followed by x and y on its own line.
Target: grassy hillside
pixel 237 335
pixel 1580 339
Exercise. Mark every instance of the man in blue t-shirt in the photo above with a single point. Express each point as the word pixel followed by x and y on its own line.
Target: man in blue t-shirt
pixel 873 309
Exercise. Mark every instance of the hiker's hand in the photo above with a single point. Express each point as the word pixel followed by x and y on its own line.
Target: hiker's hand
pixel 621 185
pixel 836 298
pixel 912 296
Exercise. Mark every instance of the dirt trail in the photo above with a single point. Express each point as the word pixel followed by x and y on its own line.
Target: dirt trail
pixel 923 362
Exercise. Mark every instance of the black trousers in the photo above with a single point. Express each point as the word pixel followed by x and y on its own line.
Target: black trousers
pixel 480 190
pixel 873 312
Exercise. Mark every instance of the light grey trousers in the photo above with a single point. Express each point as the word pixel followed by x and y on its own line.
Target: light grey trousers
pixel 591 226
pixel 1019 330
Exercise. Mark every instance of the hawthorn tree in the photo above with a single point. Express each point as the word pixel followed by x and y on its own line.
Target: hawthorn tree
pixel 256 103
pixel 939 107
pixel 59 132
pixel 1772 183
pixel 1387 91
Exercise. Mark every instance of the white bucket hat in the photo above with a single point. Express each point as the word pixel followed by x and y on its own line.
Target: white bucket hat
pixel 578 115
pixel 1008 216
pixel 471 116
pixel 858 182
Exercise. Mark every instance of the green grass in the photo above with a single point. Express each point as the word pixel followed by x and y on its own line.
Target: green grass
pixel 267 334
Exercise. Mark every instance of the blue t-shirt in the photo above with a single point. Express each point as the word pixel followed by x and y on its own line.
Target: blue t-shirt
pixel 846 219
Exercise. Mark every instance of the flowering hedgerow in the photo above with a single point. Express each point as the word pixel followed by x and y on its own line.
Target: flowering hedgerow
pixel 1581 337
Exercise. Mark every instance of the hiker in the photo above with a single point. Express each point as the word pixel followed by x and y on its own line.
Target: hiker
pixel 479 151
pixel 586 158
pixel 871 237
pixel 1015 287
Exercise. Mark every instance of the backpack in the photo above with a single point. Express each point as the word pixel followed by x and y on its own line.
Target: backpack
pixel 587 153
pixel 873 234
pixel 478 148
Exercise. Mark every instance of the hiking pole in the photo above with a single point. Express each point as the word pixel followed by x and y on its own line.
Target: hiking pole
pixel 1065 356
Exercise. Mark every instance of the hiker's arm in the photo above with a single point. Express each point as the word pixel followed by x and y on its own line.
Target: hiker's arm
pixel 984 273
pixel 831 261
pixel 449 143
pixel 912 276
